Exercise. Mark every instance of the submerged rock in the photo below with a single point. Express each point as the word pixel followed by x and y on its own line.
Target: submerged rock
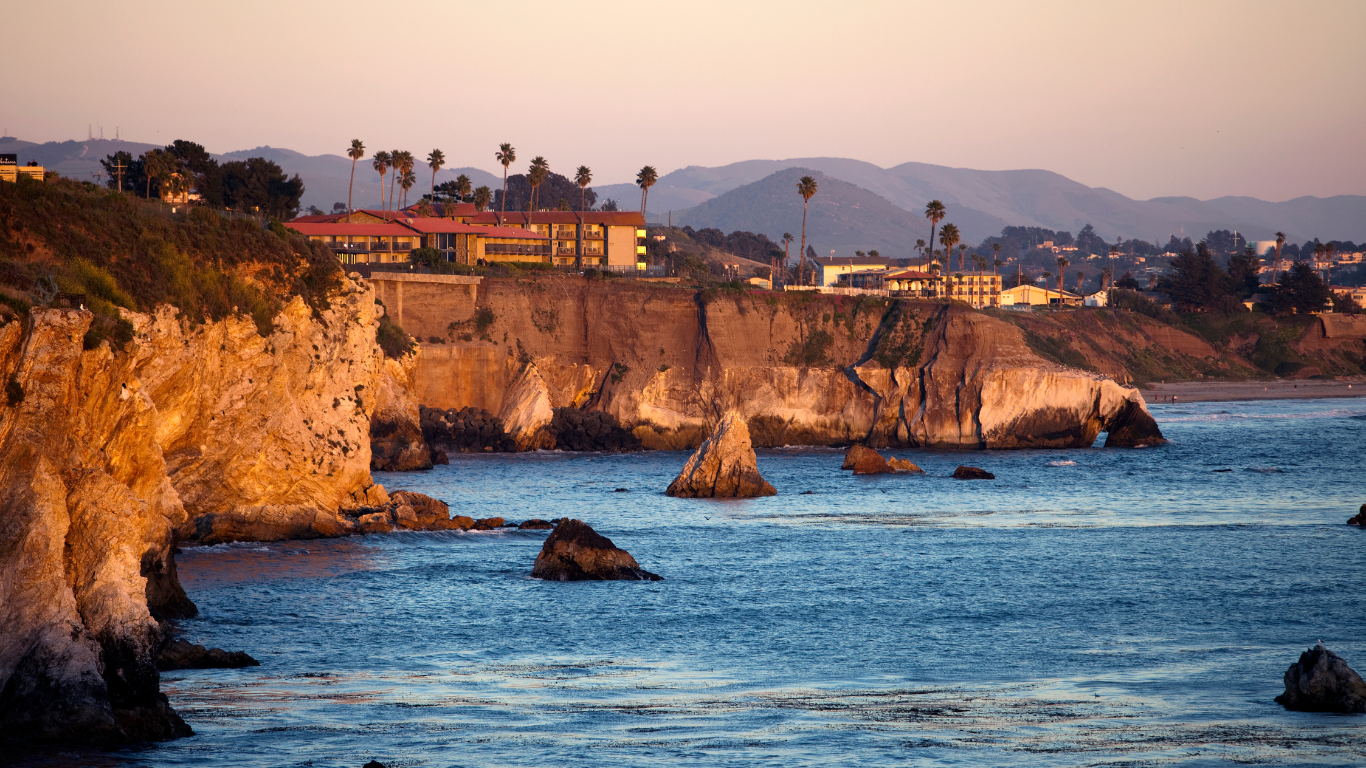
pixel 1360 518
pixel 1322 682
pixel 972 473
pixel 723 466
pixel 536 524
pixel 576 552
pixel 182 654
pixel 866 461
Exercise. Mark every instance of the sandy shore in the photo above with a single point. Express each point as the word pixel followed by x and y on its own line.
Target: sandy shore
pixel 1276 389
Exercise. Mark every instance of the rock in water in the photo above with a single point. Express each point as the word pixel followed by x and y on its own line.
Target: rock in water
pixel 1322 682
pixel 576 552
pixel 526 412
pixel 182 654
pixel 866 461
pixel 724 465
pixel 396 442
pixel 972 473
pixel 1360 518
pixel 1131 426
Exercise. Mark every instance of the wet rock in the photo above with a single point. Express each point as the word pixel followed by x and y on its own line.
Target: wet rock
pixel 972 473
pixel 575 552
pixel 723 466
pixel 622 490
pixel 1131 426
pixel 374 764
pixel 182 654
pixel 489 523
pixel 1322 682
pixel 866 461
pixel 536 524
pixel 1360 518
pixel 462 523
pixel 439 457
pixel 467 430
pixel 375 522
pixel 576 429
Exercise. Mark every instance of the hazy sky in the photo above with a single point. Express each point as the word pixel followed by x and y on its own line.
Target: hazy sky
pixel 1146 98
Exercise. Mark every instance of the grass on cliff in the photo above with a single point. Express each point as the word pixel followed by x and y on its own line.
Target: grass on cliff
pixel 120 251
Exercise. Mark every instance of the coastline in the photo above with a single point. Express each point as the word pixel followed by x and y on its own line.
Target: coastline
pixel 1274 389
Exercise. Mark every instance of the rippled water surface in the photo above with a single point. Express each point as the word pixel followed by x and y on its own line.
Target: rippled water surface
pixel 1094 607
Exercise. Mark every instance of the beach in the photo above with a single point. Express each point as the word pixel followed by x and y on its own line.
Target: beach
pixel 1274 389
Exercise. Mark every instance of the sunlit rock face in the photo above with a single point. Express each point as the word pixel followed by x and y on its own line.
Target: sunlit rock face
pixel 104 455
pixel 723 466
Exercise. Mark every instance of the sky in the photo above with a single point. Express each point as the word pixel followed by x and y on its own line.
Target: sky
pixel 1197 98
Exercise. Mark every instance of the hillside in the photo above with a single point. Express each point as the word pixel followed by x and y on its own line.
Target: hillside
pixel 841 216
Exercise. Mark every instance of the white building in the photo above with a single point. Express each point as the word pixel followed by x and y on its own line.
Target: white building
pixel 829 271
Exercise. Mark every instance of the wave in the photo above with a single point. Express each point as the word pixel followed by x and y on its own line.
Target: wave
pixel 1062 463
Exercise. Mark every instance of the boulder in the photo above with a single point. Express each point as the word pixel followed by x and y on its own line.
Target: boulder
pixel 489 523
pixel 972 473
pixel 1360 518
pixel 724 465
pixel 576 552
pixel 375 522
pixel 1322 682
pixel 462 523
pixel 536 524
pixel 183 654
pixel 866 461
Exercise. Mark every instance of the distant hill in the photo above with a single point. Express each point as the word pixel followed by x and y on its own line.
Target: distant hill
pixel 1031 198
pixel 842 216
pixel 325 176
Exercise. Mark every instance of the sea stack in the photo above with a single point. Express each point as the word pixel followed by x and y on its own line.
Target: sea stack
pixel 1322 682
pixel 576 552
pixel 1359 518
pixel 724 465
pixel 866 461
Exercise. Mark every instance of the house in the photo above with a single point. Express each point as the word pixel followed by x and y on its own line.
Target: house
pixel 1033 295
pixel 1357 294
pixel 761 282
pixel 829 270
pixel 368 243
pixel 1097 299
pixel 11 170
pixel 911 282
pixel 463 243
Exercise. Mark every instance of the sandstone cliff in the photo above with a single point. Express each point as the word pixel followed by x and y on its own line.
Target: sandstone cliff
pixel 666 361
pixel 207 428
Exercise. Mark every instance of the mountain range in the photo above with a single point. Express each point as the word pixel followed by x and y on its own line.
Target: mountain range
pixel 861 205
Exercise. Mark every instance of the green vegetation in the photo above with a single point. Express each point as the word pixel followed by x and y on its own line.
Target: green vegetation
pixel 117 251
pixel 393 339
pixel 813 352
pixel 1057 350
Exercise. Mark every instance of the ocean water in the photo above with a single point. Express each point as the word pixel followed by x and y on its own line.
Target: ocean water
pixel 1089 607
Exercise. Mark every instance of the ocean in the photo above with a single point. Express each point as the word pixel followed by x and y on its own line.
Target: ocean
pixel 1088 607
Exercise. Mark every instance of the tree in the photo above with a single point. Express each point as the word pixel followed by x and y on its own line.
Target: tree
pixel 507 156
pixel 645 179
pixel 1197 282
pixel 381 164
pixel 355 152
pixel 258 186
pixel 1276 268
pixel 962 250
pixel 806 187
pixel 1090 242
pixel 536 177
pixel 934 211
pixel 552 187
pixel 1301 290
pixel 1242 272
pixel 583 176
pixel 406 181
pixel 996 256
pixel 395 164
pixel 157 166
pixel 1048 299
pixel 1062 277
pixel 948 237
pixel 435 160
pixel 462 188
pixel 482 196
pixel 406 162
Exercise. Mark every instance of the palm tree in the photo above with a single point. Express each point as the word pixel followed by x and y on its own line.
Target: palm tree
pixel 1280 243
pixel 962 249
pixel 583 176
pixel 406 161
pixel 806 187
pixel 482 196
pixel 934 211
pixel 462 188
pixel 949 237
pixel 406 181
pixel 434 161
pixel 536 176
pixel 646 179
pixel 1062 277
pixel 395 161
pixel 1046 300
pixel 507 156
pixel 996 254
pixel 381 164
pixel 356 152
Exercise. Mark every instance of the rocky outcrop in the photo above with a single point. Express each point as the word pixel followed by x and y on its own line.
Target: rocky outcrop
pixel 866 461
pixel 467 430
pixel 182 654
pixel 526 412
pixel 1359 518
pixel 396 441
pixel 801 369
pixel 205 428
pixel 576 552
pixel 576 429
pixel 972 473
pixel 1322 682
pixel 724 466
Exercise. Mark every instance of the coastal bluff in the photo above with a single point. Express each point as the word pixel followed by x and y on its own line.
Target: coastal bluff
pixel 800 368
pixel 105 455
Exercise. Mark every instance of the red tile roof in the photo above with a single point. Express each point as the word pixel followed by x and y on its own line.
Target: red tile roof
pixel 316 218
pixel 431 226
pixel 909 274
pixel 519 218
pixel 358 230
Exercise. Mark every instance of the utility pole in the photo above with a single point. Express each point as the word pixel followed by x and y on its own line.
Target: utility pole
pixel 118 168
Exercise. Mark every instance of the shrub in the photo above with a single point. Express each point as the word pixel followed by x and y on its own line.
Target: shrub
pixel 395 342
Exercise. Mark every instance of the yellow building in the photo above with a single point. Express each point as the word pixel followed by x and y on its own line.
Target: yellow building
pixel 979 290
pixel 1029 294
pixel 362 243
pixel 391 243
pixel 612 240
pixel 11 170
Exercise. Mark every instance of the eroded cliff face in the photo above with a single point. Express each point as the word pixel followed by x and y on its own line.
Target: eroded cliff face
pixel 801 369
pixel 207 429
